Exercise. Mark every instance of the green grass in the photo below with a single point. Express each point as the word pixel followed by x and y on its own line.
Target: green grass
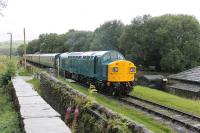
pixel 8 117
pixel 2 67
pixel 124 110
pixel 187 105
pixel 36 84
pixel 23 72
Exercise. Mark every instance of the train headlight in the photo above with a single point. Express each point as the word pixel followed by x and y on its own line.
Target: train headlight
pixel 132 69
pixel 115 69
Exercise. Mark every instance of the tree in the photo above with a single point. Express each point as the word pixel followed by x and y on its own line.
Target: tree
pixel 20 50
pixel 150 40
pixel 49 42
pixel 133 40
pixel 78 41
pixel 172 61
pixel 33 46
pixel 106 37
pixel 180 32
pixel 54 43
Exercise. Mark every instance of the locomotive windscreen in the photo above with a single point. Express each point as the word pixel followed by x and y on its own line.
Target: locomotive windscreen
pixel 112 56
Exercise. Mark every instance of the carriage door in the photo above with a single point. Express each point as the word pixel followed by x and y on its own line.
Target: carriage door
pixel 95 65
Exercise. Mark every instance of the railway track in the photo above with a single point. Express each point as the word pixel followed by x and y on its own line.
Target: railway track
pixel 181 118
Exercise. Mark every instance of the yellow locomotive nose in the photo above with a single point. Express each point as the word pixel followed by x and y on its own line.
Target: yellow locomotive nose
pixel 121 71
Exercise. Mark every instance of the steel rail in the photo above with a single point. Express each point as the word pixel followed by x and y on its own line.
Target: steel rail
pixel 163 115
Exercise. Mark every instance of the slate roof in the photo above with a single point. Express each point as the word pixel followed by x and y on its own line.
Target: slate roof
pixel 192 75
pixel 186 86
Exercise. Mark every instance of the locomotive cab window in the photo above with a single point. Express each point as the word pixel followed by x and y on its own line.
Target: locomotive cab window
pixel 106 57
pixel 112 56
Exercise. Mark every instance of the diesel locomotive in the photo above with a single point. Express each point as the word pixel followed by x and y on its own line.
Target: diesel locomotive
pixel 107 70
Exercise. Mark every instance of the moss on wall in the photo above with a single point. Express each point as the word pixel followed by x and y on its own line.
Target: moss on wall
pixel 92 117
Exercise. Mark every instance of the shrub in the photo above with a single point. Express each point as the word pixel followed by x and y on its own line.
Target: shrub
pixel 5 77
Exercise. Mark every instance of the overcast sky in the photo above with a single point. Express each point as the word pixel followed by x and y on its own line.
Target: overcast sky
pixel 58 16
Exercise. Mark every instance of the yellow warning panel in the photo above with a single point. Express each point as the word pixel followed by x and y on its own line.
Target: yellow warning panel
pixel 121 71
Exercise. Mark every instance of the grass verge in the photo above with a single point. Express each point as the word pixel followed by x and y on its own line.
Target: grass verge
pixel 36 84
pixel 8 117
pixel 187 105
pixel 23 72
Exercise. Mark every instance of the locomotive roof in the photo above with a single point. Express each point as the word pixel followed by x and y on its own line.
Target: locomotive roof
pixel 89 53
pixel 64 54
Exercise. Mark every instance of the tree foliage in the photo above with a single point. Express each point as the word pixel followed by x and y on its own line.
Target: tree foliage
pixel 133 38
pixel 172 61
pixel 21 50
pixel 171 43
pixel 106 37
pixel 54 43
pixel 154 41
pixel 77 41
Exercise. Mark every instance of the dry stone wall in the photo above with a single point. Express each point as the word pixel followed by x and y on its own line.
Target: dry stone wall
pixel 90 117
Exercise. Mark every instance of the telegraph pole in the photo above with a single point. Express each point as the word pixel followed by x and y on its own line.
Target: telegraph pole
pixel 10 44
pixel 25 46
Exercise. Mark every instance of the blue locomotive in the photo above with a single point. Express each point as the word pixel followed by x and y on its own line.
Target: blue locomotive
pixel 107 70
